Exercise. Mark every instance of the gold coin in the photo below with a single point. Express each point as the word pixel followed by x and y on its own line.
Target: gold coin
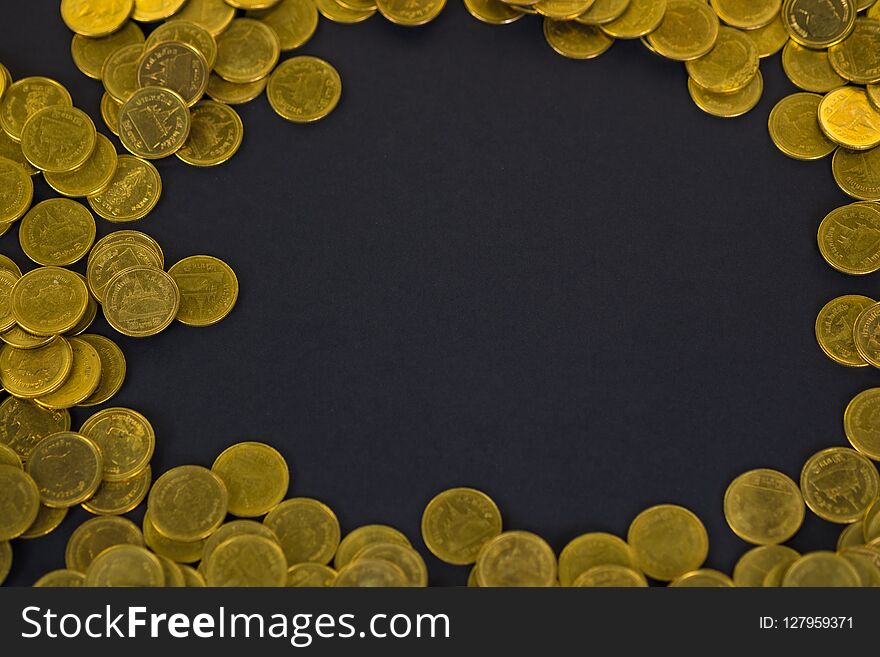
pixel 246 560
pixel 819 23
pixel 154 123
pixel 640 18
pixel 857 173
pixel 516 558
pixel 610 575
pixel 46 522
pixel 231 93
pixel 20 339
pixel 67 469
pixel 366 573
pixel 110 112
pixel 113 498
pixel 747 14
pixel 215 135
pixel 603 11
pixel 95 18
pixel 358 5
pixel 151 11
pixel 9 457
pixel 313 575
pixel 873 91
pixel 821 569
pixel 132 193
pixel 7 282
pixel 188 503
pixel 214 15
pixel 92 177
pixel 857 58
pixel 414 12
pixel 125 438
pixel 177 551
pixel 860 423
pixel 294 21
pixel 563 10
pixel 173 575
pixel 688 30
pixel 457 523
pixel 871 524
pixel 186 32
pixel 247 51
pixel 853 535
pixel 333 11
pixel 58 139
pixel 668 541
pixel 113 258
pixel 839 484
pixel 127 566
pixel 575 40
pixel 402 556
pixel 304 89
pixel 30 373
pixel 11 150
pixel 89 54
pixel 763 507
pixel 191 577
pixel 702 578
pixel 20 501
pixel 57 232
pixel 753 567
pixel 141 301
pixel 590 550
pixel 120 237
pixel 49 300
pixel 794 127
pixel 730 66
pixel 173 65
pixel 844 238
pixel 24 424
pixel 230 530
pixel 119 73
pixel 253 5
pixel 94 536
pixel 17 191
pixel 358 538
pixel 771 38
pixel 27 97
pixel 494 12
pixel 86 321
pixel 256 477
pixel 810 70
pixel 834 329
pixel 5 559
pixel 208 290
pixel 112 369
pixel 61 578
pixel 306 529
pixel 866 561
pixel 82 380
pixel 8 264
pixel 847 117
pixel 866 334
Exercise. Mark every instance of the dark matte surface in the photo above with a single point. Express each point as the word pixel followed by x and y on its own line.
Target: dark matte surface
pixel 556 281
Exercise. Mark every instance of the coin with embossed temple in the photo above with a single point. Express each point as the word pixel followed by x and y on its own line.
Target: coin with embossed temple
pixel 141 301
pixel 49 300
pixel 753 567
pixel 154 123
pixel 188 503
pixel 688 30
pixel 311 575
pixel 516 558
pixel 494 12
pixel 819 23
pixel 208 289
pixel 216 133
pixel 118 497
pixel 57 232
pixel 334 11
pixel 232 93
pixel 764 507
pixel 125 566
pixel 304 89
pixel 183 31
pixel 857 58
pixel 112 369
pixel 111 258
pixel 119 73
pixel 95 18
pixel 668 541
pixel 214 15
pixel 834 328
pixel 861 423
pixel 256 477
pixel 126 440
pixel 847 117
pixel 794 127
pixel 576 40
pixel 821 569
pixel 20 501
pixel 67 468
pixel 866 334
pixel 729 66
pixel 247 560
pixel 132 193
pixel 174 65
pixel 590 550
pixel 23 424
pixel 415 12
pixel 85 373
pixel 845 238
pixel 306 529
pixel 365 535
pixel 369 573
pixel 294 21
pixel 839 484
pixel 89 54
pixel 610 575
pixel 16 193
pixel 119 237
pixel 30 373
pixel 58 139
pixel 27 97
pixel 747 14
pixel 458 522
pixel 247 51
pixel 857 173
pixel 151 11
pixel 92 177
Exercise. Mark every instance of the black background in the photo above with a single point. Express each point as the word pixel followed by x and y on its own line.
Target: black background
pixel 556 281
